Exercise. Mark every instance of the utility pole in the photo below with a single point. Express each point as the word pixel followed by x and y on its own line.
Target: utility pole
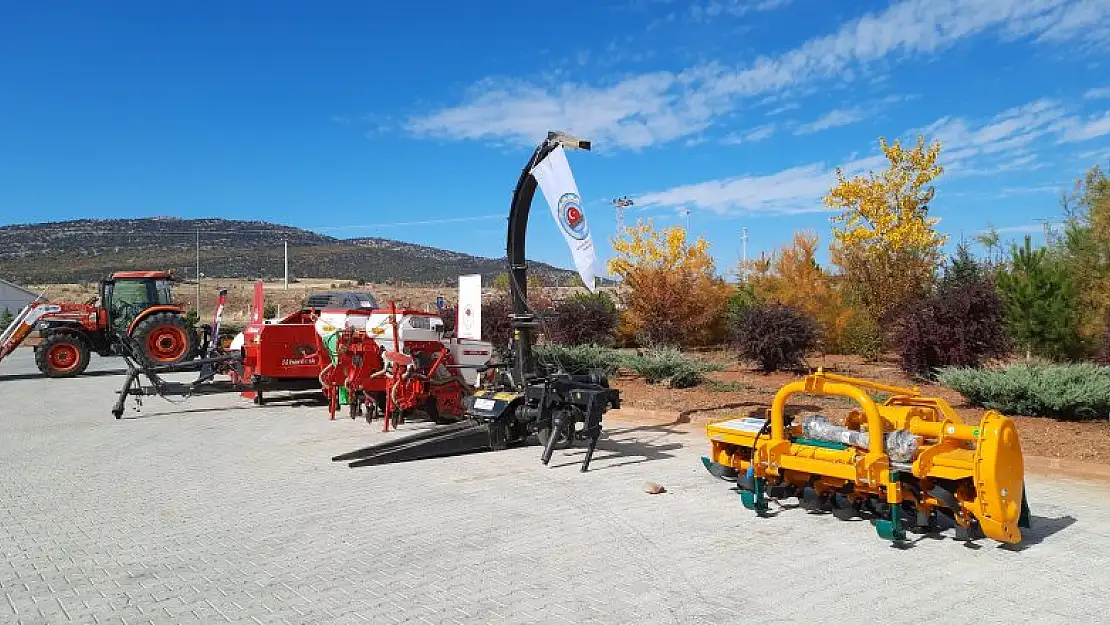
pixel 198 272
pixel 743 252
pixel 1046 224
pixel 686 212
pixel 286 264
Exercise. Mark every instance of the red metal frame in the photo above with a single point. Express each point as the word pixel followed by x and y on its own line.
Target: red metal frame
pixel 123 275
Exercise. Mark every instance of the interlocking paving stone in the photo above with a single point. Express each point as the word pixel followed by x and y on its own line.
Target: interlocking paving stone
pixel 219 511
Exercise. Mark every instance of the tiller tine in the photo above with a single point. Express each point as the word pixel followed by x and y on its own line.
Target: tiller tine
pixel 459 438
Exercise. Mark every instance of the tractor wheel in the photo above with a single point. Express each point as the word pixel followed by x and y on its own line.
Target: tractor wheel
pixel 165 338
pixel 62 356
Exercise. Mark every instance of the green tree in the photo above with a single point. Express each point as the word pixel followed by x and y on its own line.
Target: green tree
pixel 6 319
pixel 1086 246
pixel 990 240
pixel 1042 304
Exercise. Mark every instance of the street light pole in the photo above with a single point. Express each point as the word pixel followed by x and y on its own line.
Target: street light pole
pixel 198 271
pixel 620 204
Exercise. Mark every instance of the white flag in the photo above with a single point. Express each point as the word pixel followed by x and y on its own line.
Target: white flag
pixel 468 325
pixel 561 192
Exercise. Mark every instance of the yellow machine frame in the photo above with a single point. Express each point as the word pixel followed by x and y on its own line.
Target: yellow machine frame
pixel 973 474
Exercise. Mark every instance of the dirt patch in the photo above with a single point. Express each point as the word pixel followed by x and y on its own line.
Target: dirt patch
pixel 739 391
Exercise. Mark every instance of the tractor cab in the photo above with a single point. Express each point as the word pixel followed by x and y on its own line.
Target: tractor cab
pixel 128 293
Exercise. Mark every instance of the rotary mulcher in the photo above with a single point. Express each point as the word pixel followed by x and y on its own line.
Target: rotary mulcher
pixel 910 462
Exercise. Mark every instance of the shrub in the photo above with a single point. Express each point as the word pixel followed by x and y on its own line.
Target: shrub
pixel 1062 391
pixel 775 336
pixel 191 318
pixel 270 311
pixel 449 314
pixel 742 299
pixel 584 319
pixel 580 359
pixel 6 319
pixel 497 327
pixel 962 324
pixel 862 336
pixel 668 365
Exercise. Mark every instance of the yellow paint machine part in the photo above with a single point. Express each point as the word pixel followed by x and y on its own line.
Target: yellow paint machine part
pixel 910 453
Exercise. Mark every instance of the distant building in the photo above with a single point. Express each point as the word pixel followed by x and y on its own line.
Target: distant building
pixel 13 298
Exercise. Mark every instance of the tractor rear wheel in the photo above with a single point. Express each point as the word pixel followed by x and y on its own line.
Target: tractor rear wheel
pixel 62 356
pixel 165 338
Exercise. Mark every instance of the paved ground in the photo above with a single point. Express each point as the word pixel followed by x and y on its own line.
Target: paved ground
pixel 221 511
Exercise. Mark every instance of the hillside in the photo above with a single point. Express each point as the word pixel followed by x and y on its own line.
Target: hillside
pixel 85 250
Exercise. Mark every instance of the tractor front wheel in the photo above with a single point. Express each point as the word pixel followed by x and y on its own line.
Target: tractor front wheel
pixel 165 338
pixel 62 356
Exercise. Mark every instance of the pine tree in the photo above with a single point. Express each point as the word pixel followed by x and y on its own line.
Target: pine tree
pixel 6 319
pixel 1042 304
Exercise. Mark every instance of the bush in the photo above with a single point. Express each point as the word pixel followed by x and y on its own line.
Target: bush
pixel 862 336
pixel 775 336
pixel 1062 391
pixel 449 315
pixel 961 325
pixel 580 359
pixel 497 327
pixel 668 365
pixel 6 319
pixel 741 300
pixel 270 311
pixel 584 319
pixel 191 318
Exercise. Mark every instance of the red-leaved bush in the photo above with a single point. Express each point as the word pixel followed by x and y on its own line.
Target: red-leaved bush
pixel 962 324
pixel 584 319
pixel 775 336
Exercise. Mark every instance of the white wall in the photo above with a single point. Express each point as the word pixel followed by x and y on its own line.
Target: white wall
pixel 13 299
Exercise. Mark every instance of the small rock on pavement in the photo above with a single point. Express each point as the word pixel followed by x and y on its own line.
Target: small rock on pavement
pixel 653 488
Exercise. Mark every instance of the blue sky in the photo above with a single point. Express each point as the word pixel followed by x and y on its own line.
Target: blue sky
pixel 358 118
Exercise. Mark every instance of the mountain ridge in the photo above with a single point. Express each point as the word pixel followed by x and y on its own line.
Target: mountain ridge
pixel 81 250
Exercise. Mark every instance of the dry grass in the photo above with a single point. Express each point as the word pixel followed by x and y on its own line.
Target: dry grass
pixel 240 294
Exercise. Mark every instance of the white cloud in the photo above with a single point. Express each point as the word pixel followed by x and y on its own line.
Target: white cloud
pixel 752 135
pixel 1093 127
pixel 1098 93
pixel 736 8
pixel 1022 229
pixel 792 191
pixel 660 107
pixel 790 106
pixel 1002 143
pixel 832 119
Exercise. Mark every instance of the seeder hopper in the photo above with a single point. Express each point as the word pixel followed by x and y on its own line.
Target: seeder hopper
pixel 910 461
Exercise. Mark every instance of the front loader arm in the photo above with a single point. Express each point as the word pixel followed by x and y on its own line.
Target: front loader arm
pixel 23 324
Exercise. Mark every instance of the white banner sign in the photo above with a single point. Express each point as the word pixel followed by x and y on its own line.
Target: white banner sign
pixel 559 189
pixel 469 323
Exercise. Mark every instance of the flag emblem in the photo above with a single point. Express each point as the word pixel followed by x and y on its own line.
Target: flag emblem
pixel 572 219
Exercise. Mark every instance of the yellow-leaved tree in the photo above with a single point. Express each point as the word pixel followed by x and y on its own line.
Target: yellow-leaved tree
pixel 792 276
pixel 672 295
pixel 885 242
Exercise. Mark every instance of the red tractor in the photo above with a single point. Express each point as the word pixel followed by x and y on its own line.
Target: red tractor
pixel 134 306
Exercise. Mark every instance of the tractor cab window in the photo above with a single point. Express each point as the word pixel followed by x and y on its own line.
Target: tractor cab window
pixel 164 292
pixel 128 299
